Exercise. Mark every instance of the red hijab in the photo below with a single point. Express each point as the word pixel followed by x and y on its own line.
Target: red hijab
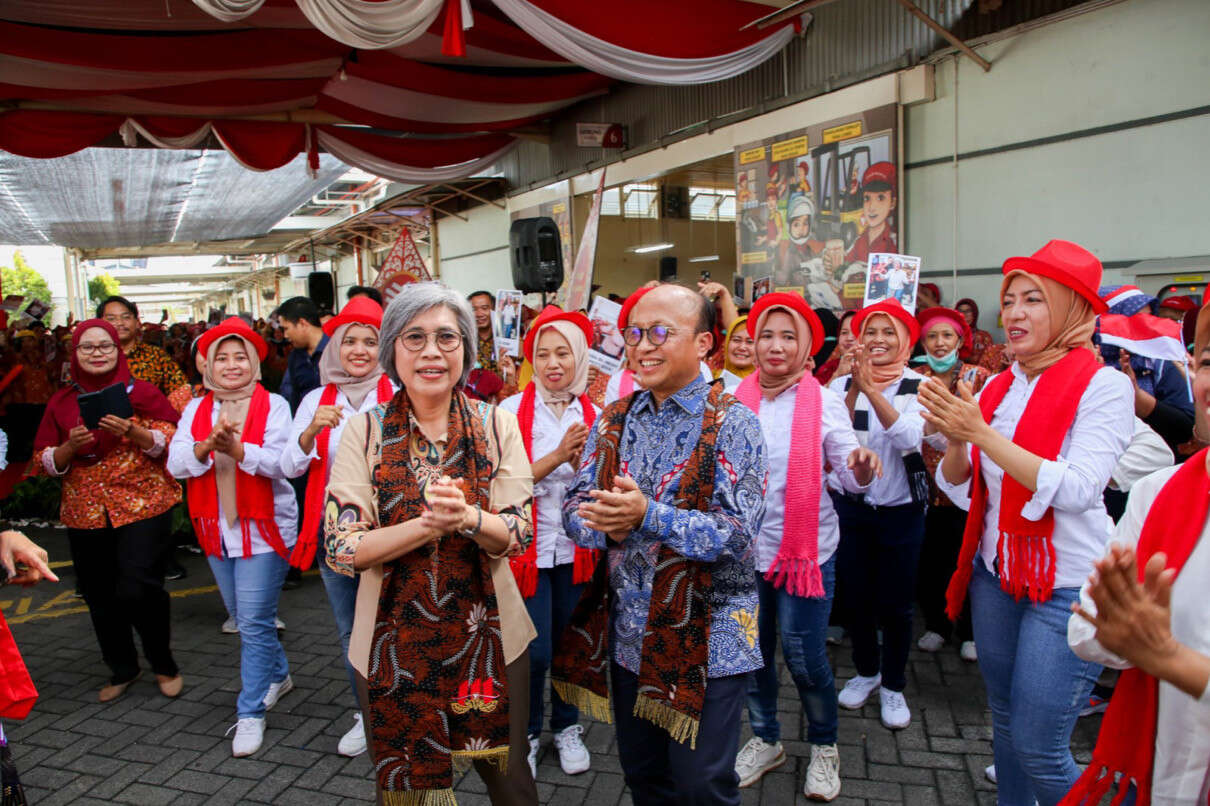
pixel 63 410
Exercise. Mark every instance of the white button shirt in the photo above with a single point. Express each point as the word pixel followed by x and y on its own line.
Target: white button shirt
pixel 1182 743
pixel 1072 484
pixel 839 440
pixel 294 462
pixel 554 547
pixel 259 460
pixel 905 434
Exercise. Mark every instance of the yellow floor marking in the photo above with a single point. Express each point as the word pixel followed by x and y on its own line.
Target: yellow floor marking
pixel 66 597
pixel 23 605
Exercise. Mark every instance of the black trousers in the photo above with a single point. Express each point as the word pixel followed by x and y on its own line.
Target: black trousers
pixel 877 560
pixel 515 787
pixel 943 527
pixel 662 771
pixel 120 572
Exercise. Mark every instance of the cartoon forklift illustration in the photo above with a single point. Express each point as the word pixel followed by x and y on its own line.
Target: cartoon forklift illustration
pixel 839 210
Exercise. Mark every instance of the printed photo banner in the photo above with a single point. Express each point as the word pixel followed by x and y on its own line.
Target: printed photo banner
pixel 506 323
pixel 891 276
pixel 813 204
pixel 607 351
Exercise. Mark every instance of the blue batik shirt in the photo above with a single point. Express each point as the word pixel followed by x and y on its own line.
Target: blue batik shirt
pixel 655 446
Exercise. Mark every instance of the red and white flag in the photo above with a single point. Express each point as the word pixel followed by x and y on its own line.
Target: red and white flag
pixel 579 286
pixel 402 266
pixel 1145 335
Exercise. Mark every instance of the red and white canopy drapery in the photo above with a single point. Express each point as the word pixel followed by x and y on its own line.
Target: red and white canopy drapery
pixel 258 145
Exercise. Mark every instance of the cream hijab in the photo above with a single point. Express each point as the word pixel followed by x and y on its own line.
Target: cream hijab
pixel 332 371
pixel 890 372
pixel 1072 322
pixel 234 404
pixel 557 401
pixel 773 385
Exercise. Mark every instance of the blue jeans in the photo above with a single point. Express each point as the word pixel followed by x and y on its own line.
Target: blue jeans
pixel 803 626
pixel 252 586
pixel 1035 687
pixel 342 596
pixel 550 609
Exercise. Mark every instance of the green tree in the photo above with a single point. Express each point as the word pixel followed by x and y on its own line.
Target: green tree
pixel 22 279
pixel 102 286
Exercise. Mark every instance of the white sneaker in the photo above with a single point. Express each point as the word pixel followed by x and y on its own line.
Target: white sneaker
pixel 573 755
pixel 858 690
pixel 281 625
pixel 229 627
pixel 353 743
pixel 823 776
pixel 968 652
pixel 989 773
pixel 930 642
pixel 895 712
pixel 249 733
pixel 534 744
pixel 756 758
pixel 277 691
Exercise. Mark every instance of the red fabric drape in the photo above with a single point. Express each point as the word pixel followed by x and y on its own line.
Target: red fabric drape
pixel 31 133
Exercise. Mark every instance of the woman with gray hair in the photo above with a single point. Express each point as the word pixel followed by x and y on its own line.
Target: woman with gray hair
pixel 428 497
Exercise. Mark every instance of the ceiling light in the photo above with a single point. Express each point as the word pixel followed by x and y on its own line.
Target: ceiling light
pixel 654 247
pixel 704 259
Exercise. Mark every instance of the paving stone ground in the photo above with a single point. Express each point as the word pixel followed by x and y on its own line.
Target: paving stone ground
pixel 145 749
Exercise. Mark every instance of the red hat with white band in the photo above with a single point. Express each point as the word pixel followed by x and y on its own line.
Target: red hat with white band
pixel 553 313
pixel 232 326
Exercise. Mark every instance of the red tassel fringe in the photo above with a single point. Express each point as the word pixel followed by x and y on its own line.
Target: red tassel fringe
pixel 796 575
pixel 453 40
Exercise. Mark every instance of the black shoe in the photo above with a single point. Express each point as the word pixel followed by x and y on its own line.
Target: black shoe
pixel 293 580
pixel 175 571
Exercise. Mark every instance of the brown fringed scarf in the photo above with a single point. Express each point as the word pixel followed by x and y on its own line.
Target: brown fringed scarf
pixel 437 687
pixel 673 668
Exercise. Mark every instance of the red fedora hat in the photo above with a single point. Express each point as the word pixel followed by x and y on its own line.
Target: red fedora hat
pixel 793 302
pixel 362 310
pixel 553 313
pixel 1068 264
pixel 232 326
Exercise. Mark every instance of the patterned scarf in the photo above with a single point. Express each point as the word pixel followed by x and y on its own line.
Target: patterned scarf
pixel 437 687
pixel 673 668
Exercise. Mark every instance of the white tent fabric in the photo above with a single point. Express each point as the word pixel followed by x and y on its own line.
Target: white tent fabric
pixel 402 173
pixel 630 65
pixel 356 23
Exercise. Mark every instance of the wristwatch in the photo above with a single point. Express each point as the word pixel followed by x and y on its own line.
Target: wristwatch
pixel 478 525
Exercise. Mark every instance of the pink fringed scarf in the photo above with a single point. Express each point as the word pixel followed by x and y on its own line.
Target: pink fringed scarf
pixel 796 567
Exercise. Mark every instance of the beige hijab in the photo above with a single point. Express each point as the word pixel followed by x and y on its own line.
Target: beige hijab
pixel 332 371
pixel 773 385
pixel 886 374
pixel 1072 322
pixel 234 404
pixel 557 401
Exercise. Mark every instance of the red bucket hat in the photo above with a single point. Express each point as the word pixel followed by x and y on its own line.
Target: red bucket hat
pixel 782 299
pixel 232 326
pixel 1068 264
pixel 361 310
pixel 890 307
pixel 553 313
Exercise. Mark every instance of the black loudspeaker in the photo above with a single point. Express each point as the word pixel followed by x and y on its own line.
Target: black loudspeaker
pixel 321 288
pixel 667 269
pixel 536 254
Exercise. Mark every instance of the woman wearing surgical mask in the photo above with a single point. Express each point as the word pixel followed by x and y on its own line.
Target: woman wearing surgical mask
pixel 944 333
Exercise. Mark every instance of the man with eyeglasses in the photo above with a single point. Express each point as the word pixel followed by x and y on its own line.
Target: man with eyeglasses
pixel 147 362
pixel 677 520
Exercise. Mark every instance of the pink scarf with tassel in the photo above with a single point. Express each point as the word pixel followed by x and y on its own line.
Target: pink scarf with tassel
pixel 796 567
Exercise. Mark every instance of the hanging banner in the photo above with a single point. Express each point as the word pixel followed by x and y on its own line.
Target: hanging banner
pixel 402 266
pixel 813 204
pixel 579 285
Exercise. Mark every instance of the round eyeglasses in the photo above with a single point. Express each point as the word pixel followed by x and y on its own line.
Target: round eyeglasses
pixel 656 334
pixel 446 340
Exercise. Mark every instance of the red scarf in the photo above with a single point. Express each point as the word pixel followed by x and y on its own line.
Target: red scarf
pixel 525 567
pixel 1126 743
pixel 317 479
pixel 254 494
pixel 1025 550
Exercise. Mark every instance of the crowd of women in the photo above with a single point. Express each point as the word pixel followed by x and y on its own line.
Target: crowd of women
pixel 647 541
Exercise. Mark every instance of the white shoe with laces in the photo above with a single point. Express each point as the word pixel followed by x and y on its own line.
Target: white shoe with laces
pixel 277 691
pixel 968 652
pixel 534 744
pixel 573 755
pixel 756 758
pixel 823 775
pixel 353 743
pixel 249 734
pixel 930 642
pixel 895 712
pixel 857 691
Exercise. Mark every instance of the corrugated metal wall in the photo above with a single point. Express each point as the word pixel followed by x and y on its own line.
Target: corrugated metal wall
pixel 849 41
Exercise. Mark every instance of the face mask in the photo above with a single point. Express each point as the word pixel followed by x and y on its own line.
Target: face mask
pixel 943 364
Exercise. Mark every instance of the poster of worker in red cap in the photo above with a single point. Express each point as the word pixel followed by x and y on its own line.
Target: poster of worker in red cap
pixel 830 199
